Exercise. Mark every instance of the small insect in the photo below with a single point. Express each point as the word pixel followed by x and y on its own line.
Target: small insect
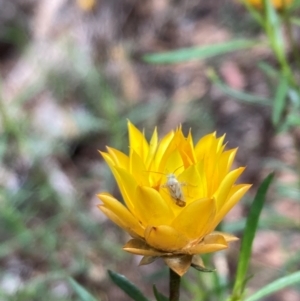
pixel 174 187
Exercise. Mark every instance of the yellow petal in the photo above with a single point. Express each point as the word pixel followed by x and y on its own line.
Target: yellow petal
pixel 151 207
pixel 119 221
pixel 236 194
pixel 203 147
pixel 139 247
pixel 220 146
pixel 108 159
pixel 179 264
pixel 211 243
pixel 228 157
pixel 127 185
pixel 225 162
pixel 206 150
pixel 165 238
pixel 174 163
pixel 161 150
pixel 119 158
pixel 222 193
pixel 215 238
pixel 195 219
pixel 190 139
pixel 195 184
pixel 188 153
pixel 152 149
pixel 175 145
pixel 137 141
pixel 127 219
pixel 184 147
pixel 125 181
pixel 138 169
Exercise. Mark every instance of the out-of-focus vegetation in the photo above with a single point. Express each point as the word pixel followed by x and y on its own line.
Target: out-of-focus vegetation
pixel 72 73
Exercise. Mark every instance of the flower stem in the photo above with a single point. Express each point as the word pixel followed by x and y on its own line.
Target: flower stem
pixel 174 286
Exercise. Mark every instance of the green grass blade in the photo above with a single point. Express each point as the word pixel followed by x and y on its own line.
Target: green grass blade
pixel 280 100
pixel 268 70
pixel 274 29
pixel 187 54
pixel 276 286
pixel 82 293
pixel 274 32
pixel 158 295
pixel 128 287
pixel 292 120
pixel 239 95
pixel 247 240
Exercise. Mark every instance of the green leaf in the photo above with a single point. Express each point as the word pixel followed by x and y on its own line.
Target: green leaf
pixel 247 240
pixel 295 4
pixel 82 293
pixel 128 287
pixel 292 120
pixel 273 27
pixel 274 32
pixel 276 286
pixel 187 54
pixel 280 100
pixel 239 95
pixel 294 97
pixel 158 295
pixel 269 70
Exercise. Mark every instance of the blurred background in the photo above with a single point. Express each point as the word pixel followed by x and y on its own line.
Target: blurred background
pixel 72 73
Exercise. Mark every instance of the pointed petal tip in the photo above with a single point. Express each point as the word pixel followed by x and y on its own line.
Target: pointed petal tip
pixel 147 260
pixel 197 263
pixel 104 195
pixel 227 236
pixel 245 187
pixel 101 152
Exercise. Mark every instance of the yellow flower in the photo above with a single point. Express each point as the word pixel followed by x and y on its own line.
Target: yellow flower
pixel 278 4
pixel 173 222
pixel 87 5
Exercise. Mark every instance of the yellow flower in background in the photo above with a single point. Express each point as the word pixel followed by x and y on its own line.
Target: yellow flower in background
pixel 176 193
pixel 87 5
pixel 277 3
